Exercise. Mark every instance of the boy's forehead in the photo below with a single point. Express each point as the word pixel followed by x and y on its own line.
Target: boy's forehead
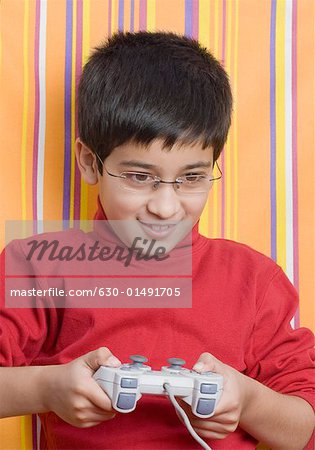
pixel 153 154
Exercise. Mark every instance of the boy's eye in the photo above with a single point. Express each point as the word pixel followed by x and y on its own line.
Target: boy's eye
pixel 138 177
pixel 193 177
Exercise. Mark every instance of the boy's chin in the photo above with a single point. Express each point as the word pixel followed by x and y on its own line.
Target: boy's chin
pixel 136 235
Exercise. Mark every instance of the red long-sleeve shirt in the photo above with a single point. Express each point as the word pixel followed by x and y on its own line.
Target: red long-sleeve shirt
pixel 242 304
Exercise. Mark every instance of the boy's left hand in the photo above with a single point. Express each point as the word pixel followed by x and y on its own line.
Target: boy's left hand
pixel 230 406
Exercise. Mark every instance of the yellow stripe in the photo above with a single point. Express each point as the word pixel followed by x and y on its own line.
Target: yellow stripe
pixel 25 109
pixel 216 191
pixel 23 440
pixel 73 81
pixel 204 22
pixel 151 15
pixel 86 31
pixel 216 28
pixel 280 133
pixel 204 39
pixel 85 54
pixel 235 118
pixel 127 11
pixel 114 16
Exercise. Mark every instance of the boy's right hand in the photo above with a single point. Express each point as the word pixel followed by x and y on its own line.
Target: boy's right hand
pixel 70 391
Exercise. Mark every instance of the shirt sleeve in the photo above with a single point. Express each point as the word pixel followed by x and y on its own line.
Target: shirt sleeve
pixel 22 330
pixel 279 356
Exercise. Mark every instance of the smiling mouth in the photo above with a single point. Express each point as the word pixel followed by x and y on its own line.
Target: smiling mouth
pixel 158 229
pixel 157 226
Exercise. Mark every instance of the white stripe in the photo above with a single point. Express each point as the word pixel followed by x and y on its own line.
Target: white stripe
pixel 288 142
pixel 42 113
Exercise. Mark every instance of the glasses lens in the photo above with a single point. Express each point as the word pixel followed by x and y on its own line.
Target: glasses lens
pixel 194 185
pixel 137 181
pixel 145 183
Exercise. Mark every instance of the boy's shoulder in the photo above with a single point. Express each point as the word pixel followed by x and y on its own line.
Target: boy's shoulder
pixel 64 237
pixel 21 254
pixel 231 253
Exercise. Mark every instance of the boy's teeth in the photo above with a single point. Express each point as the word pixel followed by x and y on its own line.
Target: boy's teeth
pixel 159 227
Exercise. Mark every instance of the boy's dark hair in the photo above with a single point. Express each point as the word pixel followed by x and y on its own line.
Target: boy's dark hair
pixel 142 86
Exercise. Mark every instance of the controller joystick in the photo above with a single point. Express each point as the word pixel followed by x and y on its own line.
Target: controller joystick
pixel 176 363
pixel 126 384
pixel 138 360
pixel 137 363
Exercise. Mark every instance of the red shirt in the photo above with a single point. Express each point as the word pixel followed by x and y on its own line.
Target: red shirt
pixel 242 304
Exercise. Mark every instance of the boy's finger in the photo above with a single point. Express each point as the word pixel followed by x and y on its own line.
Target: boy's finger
pixel 101 357
pixel 208 362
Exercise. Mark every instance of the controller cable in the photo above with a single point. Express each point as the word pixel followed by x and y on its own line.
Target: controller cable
pixel 182 413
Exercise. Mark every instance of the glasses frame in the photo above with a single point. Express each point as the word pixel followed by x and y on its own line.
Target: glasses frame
pixel 157 180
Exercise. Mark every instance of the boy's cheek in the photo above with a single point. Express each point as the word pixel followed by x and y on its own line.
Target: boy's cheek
pixel 120 207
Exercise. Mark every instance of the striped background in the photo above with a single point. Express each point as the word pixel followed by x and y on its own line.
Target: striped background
pixel 266 198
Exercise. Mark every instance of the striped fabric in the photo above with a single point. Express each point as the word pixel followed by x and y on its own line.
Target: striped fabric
pixel 266 196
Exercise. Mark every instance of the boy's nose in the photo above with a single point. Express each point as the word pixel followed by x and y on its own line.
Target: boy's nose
pixel 164 202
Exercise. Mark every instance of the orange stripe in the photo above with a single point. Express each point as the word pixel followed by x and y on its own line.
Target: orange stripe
pixel 11 110
pixel 127 11
pixel 170 16
pixel 253 126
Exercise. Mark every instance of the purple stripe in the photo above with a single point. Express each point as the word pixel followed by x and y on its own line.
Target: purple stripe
pixel 36 114
pixel 195 19
pixel 78 70
pixel 109 18
pixel 132 15
pixel 273 198
pixel 143 15
pixel 188 18
pixel 34 431
pixel 223 153
pixel 67 112
pixel 121 15
pixel 296 280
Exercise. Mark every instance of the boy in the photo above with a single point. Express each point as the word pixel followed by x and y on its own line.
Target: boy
pixel 154 113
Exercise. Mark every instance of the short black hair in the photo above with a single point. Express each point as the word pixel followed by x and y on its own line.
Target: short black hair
pixel 143 86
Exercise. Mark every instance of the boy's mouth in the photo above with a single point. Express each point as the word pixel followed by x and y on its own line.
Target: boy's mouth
pixel 157 231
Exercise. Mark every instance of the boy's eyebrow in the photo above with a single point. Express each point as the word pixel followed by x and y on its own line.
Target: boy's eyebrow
pixel 143 165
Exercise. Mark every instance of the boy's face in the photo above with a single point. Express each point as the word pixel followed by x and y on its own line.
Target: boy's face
pixel 162 206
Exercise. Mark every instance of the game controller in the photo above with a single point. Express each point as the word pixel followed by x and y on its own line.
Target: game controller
pixel 126 384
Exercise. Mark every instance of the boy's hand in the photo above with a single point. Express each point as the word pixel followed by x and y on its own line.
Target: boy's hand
pixel 70 391
pixel 228 411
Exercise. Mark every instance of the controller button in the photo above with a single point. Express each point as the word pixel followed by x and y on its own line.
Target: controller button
pixel 138 360
pixel 205 406
pixel 126 401
pixel 129 382
pixel 176 363
pixel 208 388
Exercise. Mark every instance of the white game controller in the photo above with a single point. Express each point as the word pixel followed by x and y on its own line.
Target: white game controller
pixel 126 384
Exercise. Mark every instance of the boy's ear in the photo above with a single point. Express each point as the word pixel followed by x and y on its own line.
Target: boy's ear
pixel 86 162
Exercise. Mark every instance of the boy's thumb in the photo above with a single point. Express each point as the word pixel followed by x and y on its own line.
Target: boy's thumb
pixel 208 362
pixel 101 357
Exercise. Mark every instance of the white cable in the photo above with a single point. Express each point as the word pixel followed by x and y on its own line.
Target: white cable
pixel 200 441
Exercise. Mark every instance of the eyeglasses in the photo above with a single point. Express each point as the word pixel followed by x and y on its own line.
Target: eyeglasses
pixel 191 183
